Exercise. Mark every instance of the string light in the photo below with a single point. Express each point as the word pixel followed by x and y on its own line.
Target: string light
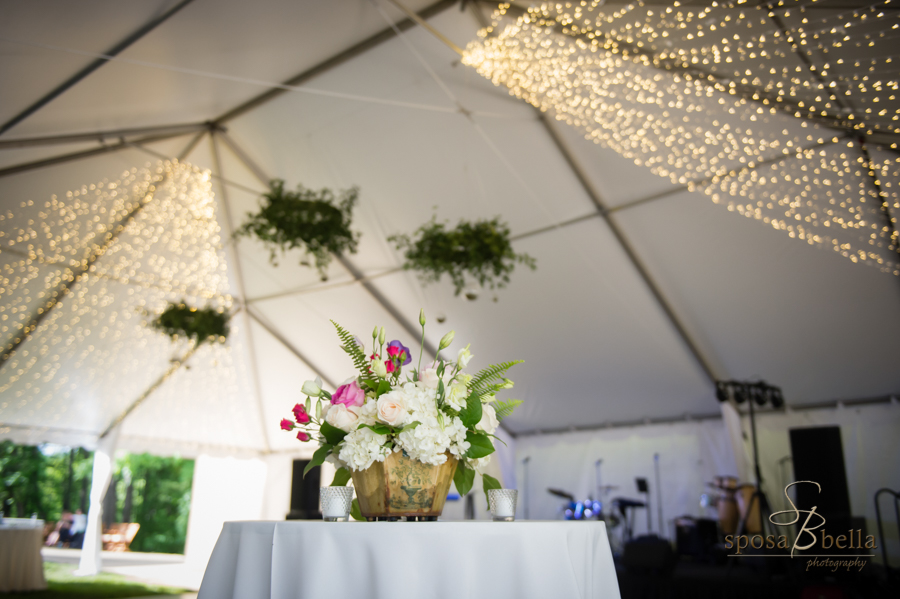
pixel 631 80
pixel 92 354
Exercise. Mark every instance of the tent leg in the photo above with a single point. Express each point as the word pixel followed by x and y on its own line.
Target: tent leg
pixel 102 473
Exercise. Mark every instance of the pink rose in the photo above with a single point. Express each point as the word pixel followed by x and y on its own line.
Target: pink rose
pixel 303 436
pixel 300 414
pixel 287 425
pixel 349 395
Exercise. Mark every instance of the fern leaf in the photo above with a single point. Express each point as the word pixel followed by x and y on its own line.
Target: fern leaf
pixel 355 353
pixel 505 408
pixel 482 380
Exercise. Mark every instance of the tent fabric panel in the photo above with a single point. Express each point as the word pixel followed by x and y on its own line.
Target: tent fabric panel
pixel 802 317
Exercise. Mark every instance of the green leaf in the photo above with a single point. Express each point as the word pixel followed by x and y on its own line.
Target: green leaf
pixel 355 512
pixel 318 458
pixel 383 387
pixel 410 426
pixel 489 483
pixel 381 429
pixel 341 476
pixel 481 382
pixel 505 408
pixel 333 435
pixel 464 478
pixel 360 361
pixel 471 414
pixel 480 445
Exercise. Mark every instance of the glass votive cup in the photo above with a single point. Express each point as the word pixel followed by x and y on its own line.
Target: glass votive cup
pixel 336 503
pixel 503 504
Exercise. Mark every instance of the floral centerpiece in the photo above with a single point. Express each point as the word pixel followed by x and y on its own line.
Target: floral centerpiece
pixel 434 415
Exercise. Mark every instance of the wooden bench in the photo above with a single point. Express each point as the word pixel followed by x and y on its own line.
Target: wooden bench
pixel 118 536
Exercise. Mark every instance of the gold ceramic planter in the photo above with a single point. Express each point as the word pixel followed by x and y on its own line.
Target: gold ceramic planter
pixel 401 486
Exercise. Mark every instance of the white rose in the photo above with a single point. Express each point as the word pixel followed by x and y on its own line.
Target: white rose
pixel 340 417
pixel 392 408
pixel 488 422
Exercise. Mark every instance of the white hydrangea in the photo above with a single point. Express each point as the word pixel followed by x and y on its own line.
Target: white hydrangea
pixel 362 447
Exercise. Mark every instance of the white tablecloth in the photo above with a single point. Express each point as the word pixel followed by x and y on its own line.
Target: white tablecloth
pixel 21 565
pixel 415 560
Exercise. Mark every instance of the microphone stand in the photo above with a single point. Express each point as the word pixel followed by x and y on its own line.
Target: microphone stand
pixel 525 485
pixel 658 495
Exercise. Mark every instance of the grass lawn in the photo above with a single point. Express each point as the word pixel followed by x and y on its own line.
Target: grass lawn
pixel 62 584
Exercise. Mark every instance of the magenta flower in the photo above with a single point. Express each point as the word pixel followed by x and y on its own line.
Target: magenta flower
pixel 349 395
pixel 300 414
pixel 303 436
pixel 399 353
pixel 287 425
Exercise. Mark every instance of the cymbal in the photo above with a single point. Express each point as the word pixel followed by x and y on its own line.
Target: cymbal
pixel 608 487
pixel 561 493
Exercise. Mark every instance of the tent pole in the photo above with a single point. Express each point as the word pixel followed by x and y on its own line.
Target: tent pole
pixel 75 274
pixel 655 290
pixel 104 461
pixel 63 158
pixel 336 60
pixel 288 346
pixel 93 66
pixel 100 136
pixel 357 275
pixel 235 261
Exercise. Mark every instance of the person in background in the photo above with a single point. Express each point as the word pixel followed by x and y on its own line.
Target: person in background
pixel 62 535
pixel 79 526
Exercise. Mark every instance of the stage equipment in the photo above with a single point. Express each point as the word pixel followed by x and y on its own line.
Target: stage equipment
pixel 589 509
pixel 525 494
pixel 896 496
pixel 624 505
pixel 659 511
pixel 643 487
pixel 818 454
pixel 304 493
pixel 754 394
pixel 695 537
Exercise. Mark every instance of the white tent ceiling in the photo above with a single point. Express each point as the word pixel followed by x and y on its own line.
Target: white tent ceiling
pixel 628 317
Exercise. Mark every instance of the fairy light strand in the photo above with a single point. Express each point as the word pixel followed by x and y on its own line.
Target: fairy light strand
pixel 605 74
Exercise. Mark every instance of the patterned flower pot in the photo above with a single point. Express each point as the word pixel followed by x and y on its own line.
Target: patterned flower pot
pixel 401 486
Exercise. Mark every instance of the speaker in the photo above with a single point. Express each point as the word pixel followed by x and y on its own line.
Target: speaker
pixel 305 492
pixel 818 455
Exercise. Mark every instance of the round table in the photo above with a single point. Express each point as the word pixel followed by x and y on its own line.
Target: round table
pixel 21 565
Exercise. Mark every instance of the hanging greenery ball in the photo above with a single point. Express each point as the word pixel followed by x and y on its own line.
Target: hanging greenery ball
pixel 182 320
pixel 316 221
pixel 480 250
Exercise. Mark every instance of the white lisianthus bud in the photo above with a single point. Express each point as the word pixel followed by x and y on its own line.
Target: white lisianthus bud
pixel 313 388
pixel 381 336
pixel 422 317
pixel 375 334
pixel 507 384
pixel 462 359
pixel 379 368
pixel 446 340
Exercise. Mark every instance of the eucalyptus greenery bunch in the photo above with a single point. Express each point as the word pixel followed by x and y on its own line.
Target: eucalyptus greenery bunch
pixel 199 324
pixel 318 221
pixel 480 250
